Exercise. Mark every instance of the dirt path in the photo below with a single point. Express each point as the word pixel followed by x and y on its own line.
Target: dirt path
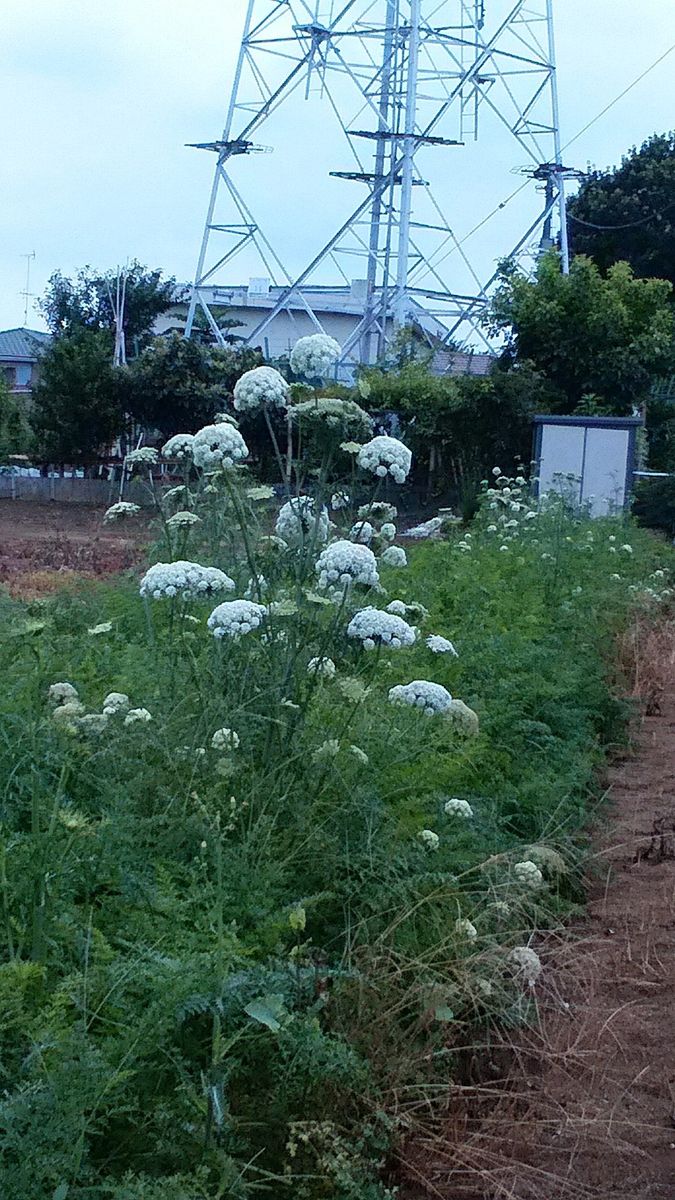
pixel 588 1112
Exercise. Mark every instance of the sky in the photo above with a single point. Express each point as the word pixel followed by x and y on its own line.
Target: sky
pixel 100 96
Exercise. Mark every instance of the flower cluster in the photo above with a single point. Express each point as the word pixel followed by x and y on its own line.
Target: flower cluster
pixel 178 446
pixel 123 508
pixel 394 556
pixel 235 618
pixel 343 419
pixel 115 703
pixel 225 739
pixel 261 388
pixel 464 719
pixel 385 456
pixel 301 522
pixel 430 698
pixel 429 839
pixel 183 520
pixel 526 963
pixel 466 928
pixel 322 667
pixel 440 645
pixel 372 628
pixel 137 716
pixel 362 532
pixel 217 446
pixel 344 563
pixel 339 500
pixel 62 693
pixel 379 510
pixel 417 611
pixel 187 580
pixel 458 808
pixel 315 356
pixel 145 456
pixel 528 874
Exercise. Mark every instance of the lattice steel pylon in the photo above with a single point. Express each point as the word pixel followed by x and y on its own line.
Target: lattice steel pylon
pixel 402 81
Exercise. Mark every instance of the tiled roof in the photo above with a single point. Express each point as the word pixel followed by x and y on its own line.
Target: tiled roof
pixel 22 343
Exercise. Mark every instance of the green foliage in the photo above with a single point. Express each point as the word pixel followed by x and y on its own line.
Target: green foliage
pixel 627 214
pixel 221 970
pixel 459 426
pixel 177 386
pixel 654 504
pixel 15 432
pixel 593 337
pixel 76 410
pixel 70 306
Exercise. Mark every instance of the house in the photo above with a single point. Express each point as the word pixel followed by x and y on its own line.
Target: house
pixel 339 310
pixel 20 351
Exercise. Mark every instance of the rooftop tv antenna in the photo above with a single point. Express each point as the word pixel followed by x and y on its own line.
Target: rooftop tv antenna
pixel 27 294
pixel 407 85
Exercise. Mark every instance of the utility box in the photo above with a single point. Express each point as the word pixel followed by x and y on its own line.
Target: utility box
pixel 590 460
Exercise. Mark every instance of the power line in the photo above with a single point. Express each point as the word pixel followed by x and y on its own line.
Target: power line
pixel 628 225
pixel 620 96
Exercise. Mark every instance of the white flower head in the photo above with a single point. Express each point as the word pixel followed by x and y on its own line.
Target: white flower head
pixel 417 611
pixel 388 531
pixel 362 532
pixel 315 356
pixel 217 446
pixel 466 929
pixel 183 520
pixel 528 874
pixel 344 563
pixel 430 698
pixel 225 739
pixel 179 446
pixel 67 713
pixel 115 703
pixel 62 693
pixel 384 456
pixel 92 723
pixel 104 627
pixel 235 618
pixel 440 645
pixel 373 627
pixel 458 808
pixel 339 500
pixel 359 754
pixel 429 839
pixel 326 751
pixel 526 962
pixel 123 508
pixel 261 388
pixel 379 510
pixel 627 549
pixel 321 667
pixel 464 720
pixel 394 556
pixel 187 580
pixel 145 456
pixel 137 716
pixel 301 522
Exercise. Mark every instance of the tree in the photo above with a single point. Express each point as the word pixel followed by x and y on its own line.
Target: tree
pixel 84 303
pixel 460 426
pixel 77 405
pixel 15 433
pixel 176 386
pixel 628 213
pixel 599 341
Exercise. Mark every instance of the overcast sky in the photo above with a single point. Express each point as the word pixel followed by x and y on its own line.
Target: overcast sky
pixel 99 97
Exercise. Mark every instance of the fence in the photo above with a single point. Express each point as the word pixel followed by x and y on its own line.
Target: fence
pixel 101 492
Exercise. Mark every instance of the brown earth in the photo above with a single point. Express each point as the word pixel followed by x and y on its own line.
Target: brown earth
pixel 587 1109
pixel 46 546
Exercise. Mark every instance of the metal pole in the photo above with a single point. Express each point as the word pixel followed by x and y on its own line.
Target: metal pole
pixel 562 205
pixel 384 126
pixel 401 303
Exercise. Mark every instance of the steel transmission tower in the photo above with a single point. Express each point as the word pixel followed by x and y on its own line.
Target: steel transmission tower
pixel 408 84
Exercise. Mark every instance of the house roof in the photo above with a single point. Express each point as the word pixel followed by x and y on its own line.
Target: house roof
pixel 22 344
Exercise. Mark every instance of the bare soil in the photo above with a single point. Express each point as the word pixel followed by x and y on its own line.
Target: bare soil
pixel 586 1110
pixel 45 547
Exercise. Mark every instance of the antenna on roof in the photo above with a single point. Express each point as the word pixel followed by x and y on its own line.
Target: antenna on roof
pixel 27 294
